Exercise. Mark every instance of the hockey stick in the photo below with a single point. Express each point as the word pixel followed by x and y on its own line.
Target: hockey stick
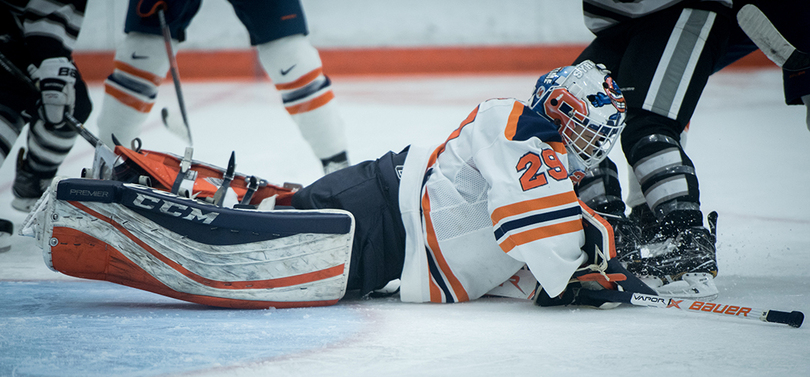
pixel 9 67
pixel 762 32
pixel 183 131
pixel 793 319
pixel 12 69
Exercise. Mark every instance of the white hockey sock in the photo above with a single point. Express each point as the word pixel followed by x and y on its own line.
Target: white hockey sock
pixel 131 90
pixel 294 66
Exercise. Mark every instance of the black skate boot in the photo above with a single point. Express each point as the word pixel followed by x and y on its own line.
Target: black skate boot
pixel 335 163
pixel 626 236
pixel 29 185
pixel 6 230
pixel 679 262
pixel 647 224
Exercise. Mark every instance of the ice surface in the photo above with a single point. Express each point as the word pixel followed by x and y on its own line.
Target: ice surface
pixel 750 151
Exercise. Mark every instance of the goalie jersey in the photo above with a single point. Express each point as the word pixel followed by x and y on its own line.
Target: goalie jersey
pixel 494 197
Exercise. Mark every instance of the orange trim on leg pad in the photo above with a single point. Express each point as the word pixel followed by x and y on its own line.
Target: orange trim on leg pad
pixel 80 255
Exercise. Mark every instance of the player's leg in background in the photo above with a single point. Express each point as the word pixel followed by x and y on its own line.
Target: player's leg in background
pixel 279 31
pixel 667 65
pixel 12 102
pixel 141 63
pixel 13 96
pixel 47 144
pixel 600 188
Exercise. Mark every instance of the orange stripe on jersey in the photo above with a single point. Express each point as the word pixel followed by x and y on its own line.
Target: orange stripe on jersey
pixel 609 228
pixel 469 119
pixel 128 99
pixel 535 234
pixel 532 205
pixel 433 243
pixel 302 81
pixel 558 147
pixel 312 104
pixel 511 123
pixel 148 76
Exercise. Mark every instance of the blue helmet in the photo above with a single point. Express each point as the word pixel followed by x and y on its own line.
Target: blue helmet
pixel 587 107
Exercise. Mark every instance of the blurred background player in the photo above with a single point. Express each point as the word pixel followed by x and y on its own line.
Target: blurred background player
pixel 789 18
pixel 663 53
pixel 36 41
pixel 279 31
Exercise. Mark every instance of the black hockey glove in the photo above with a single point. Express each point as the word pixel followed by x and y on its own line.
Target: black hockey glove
pixel 57 81
pixel 592 283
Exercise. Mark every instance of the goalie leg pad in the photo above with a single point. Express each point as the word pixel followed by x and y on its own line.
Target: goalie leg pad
pixel 177 247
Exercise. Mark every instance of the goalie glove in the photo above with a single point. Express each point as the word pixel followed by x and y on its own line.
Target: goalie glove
pixel 57 80
pixel 592 284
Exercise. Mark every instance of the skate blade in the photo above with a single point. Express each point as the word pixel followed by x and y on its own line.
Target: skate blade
pixel 23 204
pixel 697 285
pixel 5 242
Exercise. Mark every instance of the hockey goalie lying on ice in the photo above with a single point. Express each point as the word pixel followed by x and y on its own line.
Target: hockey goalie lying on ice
pixel 492 210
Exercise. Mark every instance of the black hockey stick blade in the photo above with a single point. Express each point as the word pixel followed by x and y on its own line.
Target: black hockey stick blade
pixel 176 126
pixel 792 319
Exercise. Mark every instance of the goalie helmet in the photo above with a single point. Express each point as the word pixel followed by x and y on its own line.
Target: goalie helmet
pixel 587 107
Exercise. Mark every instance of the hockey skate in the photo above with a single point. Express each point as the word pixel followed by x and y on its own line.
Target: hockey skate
pixel 28 185
pixel 681 265
pixel 6 230
pixel 335 163
pixel 626 235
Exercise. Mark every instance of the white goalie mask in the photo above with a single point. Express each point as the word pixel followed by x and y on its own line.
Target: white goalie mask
pixel 587 107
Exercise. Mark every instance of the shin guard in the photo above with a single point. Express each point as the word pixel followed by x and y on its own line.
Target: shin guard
pixel 191 250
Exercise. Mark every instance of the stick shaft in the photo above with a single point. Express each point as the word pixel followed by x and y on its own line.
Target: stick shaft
pixel 167 39
pixel 794 319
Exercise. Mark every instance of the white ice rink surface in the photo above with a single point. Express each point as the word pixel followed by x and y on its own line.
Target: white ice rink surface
pixel 751 154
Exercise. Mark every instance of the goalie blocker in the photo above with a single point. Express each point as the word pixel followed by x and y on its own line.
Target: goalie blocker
pixel 187 249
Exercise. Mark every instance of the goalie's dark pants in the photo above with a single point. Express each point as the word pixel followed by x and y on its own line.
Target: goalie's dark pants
pixel 370 191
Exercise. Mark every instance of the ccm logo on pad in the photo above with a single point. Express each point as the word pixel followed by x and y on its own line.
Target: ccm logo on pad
pixel 174 209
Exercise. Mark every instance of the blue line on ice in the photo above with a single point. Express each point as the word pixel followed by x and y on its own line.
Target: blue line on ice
pixel 89 328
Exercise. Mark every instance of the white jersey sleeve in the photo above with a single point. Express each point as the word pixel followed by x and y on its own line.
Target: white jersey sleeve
pixel 493 198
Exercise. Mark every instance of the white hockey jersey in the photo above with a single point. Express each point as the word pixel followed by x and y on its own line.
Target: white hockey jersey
pixel 602 14
pixel 494 197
